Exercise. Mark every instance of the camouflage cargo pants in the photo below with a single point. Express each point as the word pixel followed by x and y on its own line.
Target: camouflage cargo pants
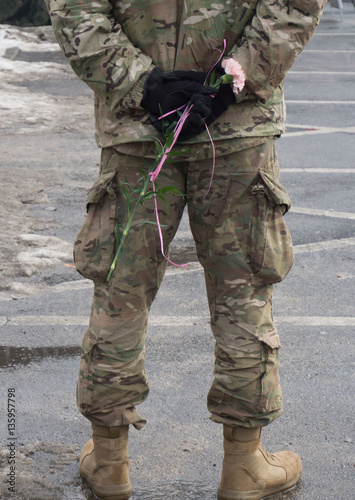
pixel 244 247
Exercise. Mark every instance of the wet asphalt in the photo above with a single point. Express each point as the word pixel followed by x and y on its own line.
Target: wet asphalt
pixel 178 454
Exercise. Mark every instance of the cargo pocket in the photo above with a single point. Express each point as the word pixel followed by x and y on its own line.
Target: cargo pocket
pixel 95 244
pixel 269 242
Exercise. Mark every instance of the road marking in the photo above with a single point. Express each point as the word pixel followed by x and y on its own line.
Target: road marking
pixel 329 51
pixel 328 35
pixel 305 72
pixel 313 129
pixel 45 320
pixel 172 271
pixel 316 321
pixel 319 131
pixel 323 213
pixel 318 127
pixel 318 102
pixel 71 285
pixel 306 248
pixel 176 321
pixel 324 245
pixel 318 170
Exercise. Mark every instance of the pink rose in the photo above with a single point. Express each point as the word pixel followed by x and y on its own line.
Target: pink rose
pixel 233 68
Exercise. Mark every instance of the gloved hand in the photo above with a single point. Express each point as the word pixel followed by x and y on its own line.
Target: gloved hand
pixel 165 92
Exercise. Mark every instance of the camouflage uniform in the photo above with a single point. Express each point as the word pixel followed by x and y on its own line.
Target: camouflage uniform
pixel 241 237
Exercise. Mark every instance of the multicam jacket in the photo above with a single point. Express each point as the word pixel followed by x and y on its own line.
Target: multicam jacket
pixel 112 45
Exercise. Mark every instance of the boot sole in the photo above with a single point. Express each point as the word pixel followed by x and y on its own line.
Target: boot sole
pixel 125 494
pixel 254 495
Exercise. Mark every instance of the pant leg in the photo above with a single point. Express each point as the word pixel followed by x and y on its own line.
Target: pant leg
pixel 244 246
pixel 112 377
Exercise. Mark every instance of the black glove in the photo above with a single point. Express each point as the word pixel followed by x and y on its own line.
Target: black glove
pixel 195 122
pixel 165 92
pixel 199 118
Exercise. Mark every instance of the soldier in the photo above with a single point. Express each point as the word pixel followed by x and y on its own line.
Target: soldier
pixel 139 57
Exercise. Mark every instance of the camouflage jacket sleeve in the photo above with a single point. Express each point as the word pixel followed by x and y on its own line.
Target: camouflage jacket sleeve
pixel 272 41
pixel 97 48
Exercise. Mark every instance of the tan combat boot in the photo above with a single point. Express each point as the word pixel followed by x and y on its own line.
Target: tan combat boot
pixel 249 472
pixel 104 463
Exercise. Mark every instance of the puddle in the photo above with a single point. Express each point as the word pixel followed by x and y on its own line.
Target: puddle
pixel 14 356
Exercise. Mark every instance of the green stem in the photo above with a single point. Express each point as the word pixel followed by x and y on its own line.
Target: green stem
pixel 128 227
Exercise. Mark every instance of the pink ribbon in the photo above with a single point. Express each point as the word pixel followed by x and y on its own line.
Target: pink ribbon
pixel 177 130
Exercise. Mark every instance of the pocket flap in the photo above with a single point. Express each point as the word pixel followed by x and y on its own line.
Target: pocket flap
pixel 104 184
pixel 275 191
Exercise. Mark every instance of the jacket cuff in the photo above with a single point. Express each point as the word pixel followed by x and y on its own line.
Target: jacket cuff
pixel 135 95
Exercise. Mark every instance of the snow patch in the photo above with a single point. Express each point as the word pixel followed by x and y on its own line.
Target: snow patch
pixel 26 111
pixel 47 251
pixel 26 40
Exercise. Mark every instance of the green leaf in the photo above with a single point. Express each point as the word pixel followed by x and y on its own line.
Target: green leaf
pixel 141 180
pixel 126 183
pixel 226 79
pixel 162 198
pixel 149 195
pixel 159 149
pixel 148 222
pixel 171 189
pixel 126 196
pixel 179 153
pixel 142 172
pixel 162 175
pixel 169 140
pixel 117 233
pixel 211 80
pixel 170 127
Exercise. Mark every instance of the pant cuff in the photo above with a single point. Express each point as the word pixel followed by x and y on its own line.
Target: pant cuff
pixel 118 417
pixel 251 422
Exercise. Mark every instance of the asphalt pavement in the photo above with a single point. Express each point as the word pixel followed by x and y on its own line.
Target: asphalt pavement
pixel 44 313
